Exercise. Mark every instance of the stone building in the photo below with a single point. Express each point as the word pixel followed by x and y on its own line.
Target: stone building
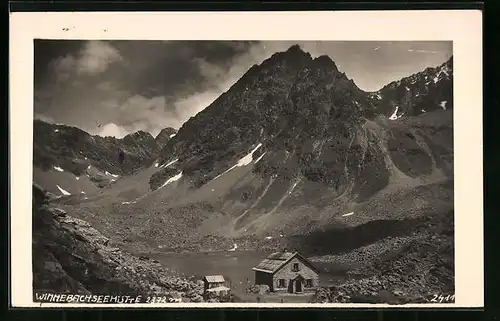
pixel 287 272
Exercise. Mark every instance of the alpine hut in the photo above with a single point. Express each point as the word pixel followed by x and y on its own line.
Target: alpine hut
pixel 287 272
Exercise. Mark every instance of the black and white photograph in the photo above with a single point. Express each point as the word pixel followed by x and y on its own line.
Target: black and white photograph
pixel 243 171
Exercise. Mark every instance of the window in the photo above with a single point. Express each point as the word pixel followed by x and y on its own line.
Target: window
pixel 309 283
pixel 295 267
pixel 281 283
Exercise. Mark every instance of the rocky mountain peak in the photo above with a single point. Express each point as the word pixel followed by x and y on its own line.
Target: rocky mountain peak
pixel 288 95
pixel 139 135
pixel 164 136
pixel 325 62
pixel 295 49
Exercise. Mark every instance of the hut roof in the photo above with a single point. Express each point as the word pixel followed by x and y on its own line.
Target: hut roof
pixel 214 278
pixel 275 261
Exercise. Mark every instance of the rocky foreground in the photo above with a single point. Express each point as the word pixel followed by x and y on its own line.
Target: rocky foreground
pixel 69 256
pixel 413 269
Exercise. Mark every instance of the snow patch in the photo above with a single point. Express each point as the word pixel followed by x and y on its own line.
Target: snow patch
pixel 56 130
pixel 172 162
pixel 235 246
pixel 348 214
pixel 244 161
pixel 260 157
pixel 394 114
pixel 156 165
pixel 423 111
pixel 89 167
pixel 407 89
pixel 82 192
pixel 59 169
pixel 125 203
pixel 64 192
pixel 268 237
pixel 109 174
pixel 443 104
pixel 172 179
pixel 172 135
pixel 77 178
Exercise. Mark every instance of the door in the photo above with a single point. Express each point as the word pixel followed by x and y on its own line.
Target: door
pixel 298 285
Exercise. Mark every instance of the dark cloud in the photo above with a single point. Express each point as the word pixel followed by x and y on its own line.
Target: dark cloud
pixel 117 87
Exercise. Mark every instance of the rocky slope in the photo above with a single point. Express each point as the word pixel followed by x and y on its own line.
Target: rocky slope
pixel 69 256
pixel 413 269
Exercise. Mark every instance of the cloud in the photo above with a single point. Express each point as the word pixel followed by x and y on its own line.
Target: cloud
pixel 44 118
pixel 113 130
pixel 63 67
pixel 96 56
pixel 135 113
pixel 423 51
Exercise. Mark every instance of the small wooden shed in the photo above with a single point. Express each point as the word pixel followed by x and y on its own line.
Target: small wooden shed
pixel 215 284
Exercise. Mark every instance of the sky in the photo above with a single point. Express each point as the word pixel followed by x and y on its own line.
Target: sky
pixel 113 88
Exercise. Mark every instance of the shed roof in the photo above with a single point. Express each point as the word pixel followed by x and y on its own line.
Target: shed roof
pixel 214 278
pixel 275 261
